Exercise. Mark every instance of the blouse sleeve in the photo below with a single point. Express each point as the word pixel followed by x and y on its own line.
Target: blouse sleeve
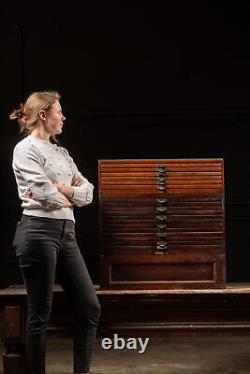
pixel 83 195
pixel 30 177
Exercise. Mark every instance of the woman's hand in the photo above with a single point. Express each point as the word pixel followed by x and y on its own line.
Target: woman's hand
pixel 67 203
pixel 67 191
pixel 59 187
pixel 77 181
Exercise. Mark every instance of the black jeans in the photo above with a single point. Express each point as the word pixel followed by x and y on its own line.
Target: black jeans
pixel 45 248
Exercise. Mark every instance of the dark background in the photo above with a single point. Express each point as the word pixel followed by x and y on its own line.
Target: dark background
pixel 139 81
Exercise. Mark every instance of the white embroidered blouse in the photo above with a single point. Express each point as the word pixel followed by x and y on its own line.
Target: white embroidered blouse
pixel 37 164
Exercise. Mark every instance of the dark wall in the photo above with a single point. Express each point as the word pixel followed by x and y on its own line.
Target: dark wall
pixel 136 82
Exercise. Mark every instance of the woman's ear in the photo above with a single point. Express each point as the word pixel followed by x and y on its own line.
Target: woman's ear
pixel 42 115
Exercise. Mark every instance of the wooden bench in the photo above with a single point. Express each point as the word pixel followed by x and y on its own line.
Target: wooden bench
pixel 131 313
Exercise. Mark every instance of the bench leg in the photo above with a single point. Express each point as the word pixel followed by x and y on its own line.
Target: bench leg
pixel 15 363
pixel 14 357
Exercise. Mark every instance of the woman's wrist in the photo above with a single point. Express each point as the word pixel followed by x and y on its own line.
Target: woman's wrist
pixel 73 192
pixel 67 191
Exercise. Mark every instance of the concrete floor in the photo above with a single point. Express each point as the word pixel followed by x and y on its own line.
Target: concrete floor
pixel 173 355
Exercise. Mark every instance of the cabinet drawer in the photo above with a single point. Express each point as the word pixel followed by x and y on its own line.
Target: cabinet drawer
pixel 148 224
pixel 171 208
pixel 170 237
pixel 154 248
pixel 152 198
pixel 159 272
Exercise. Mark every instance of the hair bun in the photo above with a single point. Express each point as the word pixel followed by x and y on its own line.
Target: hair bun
pixel 18 113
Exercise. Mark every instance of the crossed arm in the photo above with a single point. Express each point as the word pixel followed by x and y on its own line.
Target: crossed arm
pixel 68 191
pixel 34 184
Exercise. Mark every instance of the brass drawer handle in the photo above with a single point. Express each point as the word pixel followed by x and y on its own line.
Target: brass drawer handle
pixel 161 200
pixel 161 217
pixel 161 178
pixel 161 188
pixel 161 208
pixel 161 168
pixel 161 225
pixel 162 235
pixel 161 174
pixel 162 247
pixel 161 183
pixel 163 242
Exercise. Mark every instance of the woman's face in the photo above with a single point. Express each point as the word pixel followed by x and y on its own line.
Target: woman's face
pixel 55 119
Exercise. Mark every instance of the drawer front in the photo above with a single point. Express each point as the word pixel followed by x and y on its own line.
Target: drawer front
pixel 170 243
pixel 162 248
pixel 152 272
pixel 160 176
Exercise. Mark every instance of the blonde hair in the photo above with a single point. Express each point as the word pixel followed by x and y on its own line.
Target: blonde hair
pixel 27 114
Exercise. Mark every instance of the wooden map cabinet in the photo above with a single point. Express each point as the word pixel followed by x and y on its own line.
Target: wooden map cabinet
pixel 162 223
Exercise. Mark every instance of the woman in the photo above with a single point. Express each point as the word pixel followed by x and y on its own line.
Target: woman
pixel 49 185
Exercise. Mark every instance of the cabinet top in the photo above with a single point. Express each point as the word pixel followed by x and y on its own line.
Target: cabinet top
pixel 162 159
